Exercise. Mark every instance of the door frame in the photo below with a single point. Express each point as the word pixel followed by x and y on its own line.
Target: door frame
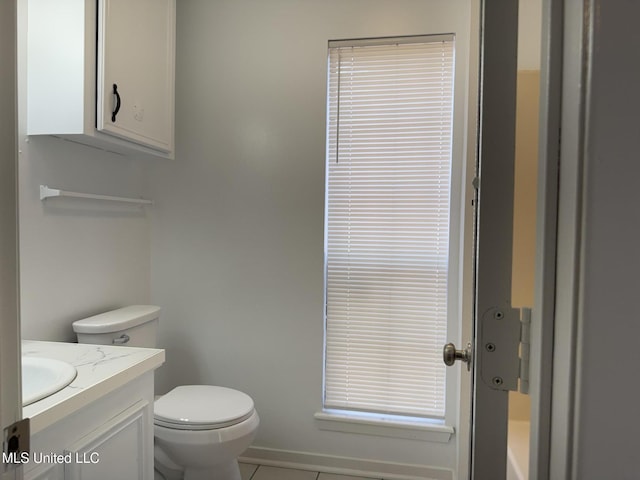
pixel 567 28
pixel 10 345
pixel 547 242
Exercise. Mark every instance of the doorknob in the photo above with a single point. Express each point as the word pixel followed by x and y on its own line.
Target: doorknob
pixel 450 355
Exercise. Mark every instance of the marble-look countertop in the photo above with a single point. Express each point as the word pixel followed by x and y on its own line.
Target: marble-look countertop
pixel 101 370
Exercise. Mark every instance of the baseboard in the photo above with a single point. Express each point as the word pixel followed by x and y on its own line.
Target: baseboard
pixel 343 465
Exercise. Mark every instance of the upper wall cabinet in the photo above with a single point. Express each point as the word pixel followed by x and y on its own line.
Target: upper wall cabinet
pixel 102 73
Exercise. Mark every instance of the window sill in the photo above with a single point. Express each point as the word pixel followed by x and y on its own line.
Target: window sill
pixel 423 431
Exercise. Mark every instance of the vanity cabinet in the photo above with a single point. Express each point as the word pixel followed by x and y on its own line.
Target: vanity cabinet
pixel 101 72
pixel 108 439
pixel 114 450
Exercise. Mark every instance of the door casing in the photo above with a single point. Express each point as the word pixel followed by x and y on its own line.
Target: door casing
pixel 10 371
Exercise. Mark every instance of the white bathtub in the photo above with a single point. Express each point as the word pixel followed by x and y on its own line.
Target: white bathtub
pixel 518 450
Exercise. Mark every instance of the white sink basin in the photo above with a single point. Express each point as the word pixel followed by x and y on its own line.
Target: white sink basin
pixel 42 377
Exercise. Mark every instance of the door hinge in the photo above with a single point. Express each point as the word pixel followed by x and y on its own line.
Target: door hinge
pixel 525 348
pixel 15 445
pixel 505 347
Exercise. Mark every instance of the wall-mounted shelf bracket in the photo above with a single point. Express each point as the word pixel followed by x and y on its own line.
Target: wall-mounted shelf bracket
pixel 47 192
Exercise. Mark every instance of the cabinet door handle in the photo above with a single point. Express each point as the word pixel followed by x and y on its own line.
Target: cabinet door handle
pixel 117 109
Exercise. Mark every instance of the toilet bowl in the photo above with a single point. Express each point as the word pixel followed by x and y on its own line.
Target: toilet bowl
pixel 199 430
pixel 206 442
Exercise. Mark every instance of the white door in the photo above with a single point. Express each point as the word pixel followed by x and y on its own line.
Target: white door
pixel 10 410
pixel 136 71
pixel 496 324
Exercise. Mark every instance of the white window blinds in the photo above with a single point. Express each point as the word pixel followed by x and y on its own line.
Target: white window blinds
pixel 387 225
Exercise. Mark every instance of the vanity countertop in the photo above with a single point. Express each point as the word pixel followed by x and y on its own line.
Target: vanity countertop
pixel 101 370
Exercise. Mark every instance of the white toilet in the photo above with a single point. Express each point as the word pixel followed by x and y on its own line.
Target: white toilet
pixel 199 430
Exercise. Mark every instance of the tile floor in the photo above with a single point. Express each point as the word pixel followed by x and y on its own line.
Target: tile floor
pixel 262 472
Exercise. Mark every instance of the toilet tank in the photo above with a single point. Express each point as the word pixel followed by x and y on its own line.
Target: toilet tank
pixel 132 326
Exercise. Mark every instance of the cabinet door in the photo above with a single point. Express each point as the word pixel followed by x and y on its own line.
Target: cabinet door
pixel 116 450
pixel 136 44
pixel 48 472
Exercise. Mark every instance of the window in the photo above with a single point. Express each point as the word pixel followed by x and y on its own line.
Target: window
pixel 389 138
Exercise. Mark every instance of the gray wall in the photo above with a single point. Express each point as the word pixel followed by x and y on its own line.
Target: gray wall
pixel 606 418
pixel 237 231
pixel 529 30
pixel 77 257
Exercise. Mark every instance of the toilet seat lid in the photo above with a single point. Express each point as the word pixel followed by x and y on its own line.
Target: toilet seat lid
pixel 202 407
